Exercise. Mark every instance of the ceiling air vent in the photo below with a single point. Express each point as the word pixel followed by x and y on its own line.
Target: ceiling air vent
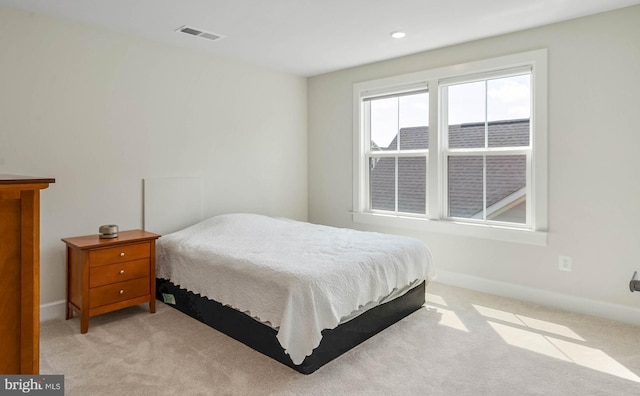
pixel 199 33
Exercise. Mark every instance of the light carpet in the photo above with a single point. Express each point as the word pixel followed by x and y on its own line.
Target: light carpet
pixel 461 343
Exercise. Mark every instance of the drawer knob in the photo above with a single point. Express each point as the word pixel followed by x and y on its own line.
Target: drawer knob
pixel 121 272
pixel 122 254
pixel 121 291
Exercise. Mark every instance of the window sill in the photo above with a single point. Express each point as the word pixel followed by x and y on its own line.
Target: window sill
pixel 498 233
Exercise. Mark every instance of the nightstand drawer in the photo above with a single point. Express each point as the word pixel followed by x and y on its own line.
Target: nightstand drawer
pixel 107 274
pixel 116 292
pixel 119 254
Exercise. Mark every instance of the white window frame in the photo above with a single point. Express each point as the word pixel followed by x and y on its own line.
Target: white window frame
pixel 535 231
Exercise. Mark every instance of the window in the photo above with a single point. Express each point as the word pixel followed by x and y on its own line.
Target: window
pixel 486 129
pixel 455 148
pixel 397 154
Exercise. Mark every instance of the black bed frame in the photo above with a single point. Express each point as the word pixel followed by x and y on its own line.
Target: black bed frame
pixel 262 338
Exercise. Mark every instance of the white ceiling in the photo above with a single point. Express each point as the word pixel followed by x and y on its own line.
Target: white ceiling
pixel 310 37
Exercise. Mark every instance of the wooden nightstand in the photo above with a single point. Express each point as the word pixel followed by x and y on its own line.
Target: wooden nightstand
pixel 105 275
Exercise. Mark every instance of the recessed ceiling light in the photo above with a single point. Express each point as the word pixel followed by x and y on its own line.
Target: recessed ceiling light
pixel 398 34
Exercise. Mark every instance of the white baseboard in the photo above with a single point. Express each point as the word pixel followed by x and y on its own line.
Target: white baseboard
pixel 620 313
pixel 52 310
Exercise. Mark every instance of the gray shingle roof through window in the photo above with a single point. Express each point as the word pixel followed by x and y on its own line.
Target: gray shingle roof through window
pixel 506 175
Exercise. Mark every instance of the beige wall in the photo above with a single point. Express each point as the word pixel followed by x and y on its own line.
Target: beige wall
pixel 100 111
pixel 594 187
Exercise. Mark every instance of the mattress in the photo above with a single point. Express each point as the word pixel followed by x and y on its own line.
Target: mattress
pixel 299 278
pixel 262 338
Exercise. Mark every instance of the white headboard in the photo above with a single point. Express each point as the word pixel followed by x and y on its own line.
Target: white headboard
pixel 171 203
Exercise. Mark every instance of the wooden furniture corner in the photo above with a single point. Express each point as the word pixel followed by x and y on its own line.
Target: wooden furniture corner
pixel 20 268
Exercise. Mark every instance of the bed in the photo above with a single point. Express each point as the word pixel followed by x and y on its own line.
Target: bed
pixel 300 293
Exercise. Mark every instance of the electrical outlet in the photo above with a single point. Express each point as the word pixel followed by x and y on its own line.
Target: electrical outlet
pixel 564 263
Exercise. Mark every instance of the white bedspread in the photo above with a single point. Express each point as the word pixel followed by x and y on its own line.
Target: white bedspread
pixel 301 278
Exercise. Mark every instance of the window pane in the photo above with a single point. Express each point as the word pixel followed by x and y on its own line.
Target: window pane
pixel 412 177
pixel 509 111
pixel 467 114
pixel 407 113
pixel 382 176
pixel 465 187
pixel 414 121
pixel 384 123
pixel 506 188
